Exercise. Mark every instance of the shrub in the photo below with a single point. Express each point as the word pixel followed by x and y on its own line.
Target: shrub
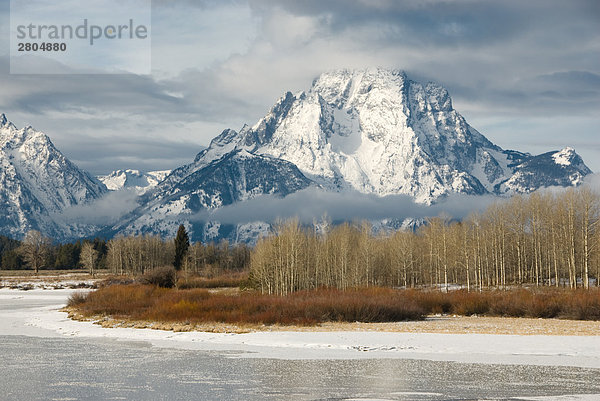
pixel 196 305
pixel 121 300
pixel 164 277
pixel 77 298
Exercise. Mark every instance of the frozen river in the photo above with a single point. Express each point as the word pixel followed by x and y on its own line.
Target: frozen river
pixel 45 356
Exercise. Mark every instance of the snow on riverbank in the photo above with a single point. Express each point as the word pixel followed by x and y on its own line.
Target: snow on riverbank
pixel 37 313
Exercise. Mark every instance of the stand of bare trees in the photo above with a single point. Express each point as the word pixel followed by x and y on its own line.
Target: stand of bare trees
pixel 543 239
pixel 137 254
pixel 213 259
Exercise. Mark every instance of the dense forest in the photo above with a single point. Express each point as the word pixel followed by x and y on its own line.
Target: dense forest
pixel 53 256
pixel 543 239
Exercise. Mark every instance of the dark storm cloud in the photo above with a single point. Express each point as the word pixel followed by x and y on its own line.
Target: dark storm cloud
pixel 486 52
pixel 442 22
pixel 47 93
pixel 422 22
pixel 566 92
pixel 569 84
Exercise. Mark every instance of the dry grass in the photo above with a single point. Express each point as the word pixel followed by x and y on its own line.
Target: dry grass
pixel 236 279
pixel 533 303
pixel 140 302
pixel 197 306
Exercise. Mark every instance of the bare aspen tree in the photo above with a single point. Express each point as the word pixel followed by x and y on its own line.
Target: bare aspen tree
pixel 34 249
pixel 88 257
pixel 589 208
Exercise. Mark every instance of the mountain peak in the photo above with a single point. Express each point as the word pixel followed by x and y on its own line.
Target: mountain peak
pixel 15 137
pixel 38 183
pixel 345 86
pixel 376 131
pixel 565 156
pixel 369 73
pixel 140 182
pixel 5 122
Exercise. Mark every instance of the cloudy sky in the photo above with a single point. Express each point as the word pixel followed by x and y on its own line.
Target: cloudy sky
pixel 524 73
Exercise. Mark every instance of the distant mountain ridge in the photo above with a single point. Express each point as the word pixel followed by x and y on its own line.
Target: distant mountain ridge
pixel 136 180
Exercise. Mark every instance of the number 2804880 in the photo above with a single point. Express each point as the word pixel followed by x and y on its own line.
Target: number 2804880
pixel 43 47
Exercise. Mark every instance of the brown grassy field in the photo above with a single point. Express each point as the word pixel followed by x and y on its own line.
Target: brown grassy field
pixel 141 302
pixel 195 306
pixel 27 279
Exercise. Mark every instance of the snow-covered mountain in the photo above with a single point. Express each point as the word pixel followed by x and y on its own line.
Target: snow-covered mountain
pixel 133 179
pixel 374 131
pixel 37 183
pixel 235 177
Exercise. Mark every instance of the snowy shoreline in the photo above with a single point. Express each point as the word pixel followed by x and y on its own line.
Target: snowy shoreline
pixel 37 313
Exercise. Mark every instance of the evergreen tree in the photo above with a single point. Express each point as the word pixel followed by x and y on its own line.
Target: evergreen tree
pixel 182 244
pixel 9 254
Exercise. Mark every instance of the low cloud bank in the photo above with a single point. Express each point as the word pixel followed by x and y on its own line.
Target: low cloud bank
pixel 314 203
pixel 106 210
pixel 306 205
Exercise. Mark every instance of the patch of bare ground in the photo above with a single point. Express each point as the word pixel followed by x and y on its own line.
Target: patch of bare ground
pixel 110 322
pixel 432 324
pixel 481 325
pixel 48 279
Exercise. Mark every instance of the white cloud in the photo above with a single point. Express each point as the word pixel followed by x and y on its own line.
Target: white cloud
pixel 312 203
pixel 105 210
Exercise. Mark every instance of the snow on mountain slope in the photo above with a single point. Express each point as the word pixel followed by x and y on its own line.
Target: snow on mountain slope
pixel 374 131
pixel 563 168
pixel 236 177
pixel 133 179
pixel 37 182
